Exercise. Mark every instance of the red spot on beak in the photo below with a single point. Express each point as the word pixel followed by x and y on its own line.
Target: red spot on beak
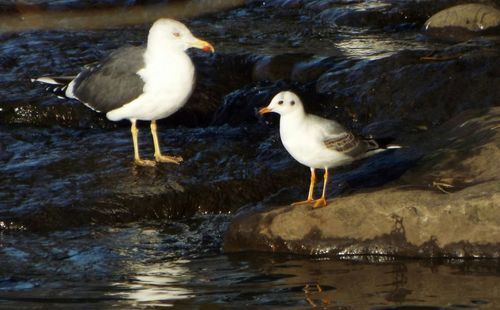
pixel 207 48
pixel 202 45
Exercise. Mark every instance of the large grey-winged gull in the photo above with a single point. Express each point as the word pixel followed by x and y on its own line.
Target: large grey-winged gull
pixel 317 142
pixel 141 83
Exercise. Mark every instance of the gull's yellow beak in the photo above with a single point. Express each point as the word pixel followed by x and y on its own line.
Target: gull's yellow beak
pixel 264 110
pixel 203 45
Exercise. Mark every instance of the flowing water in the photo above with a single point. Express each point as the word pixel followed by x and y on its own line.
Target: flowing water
pixel 74 234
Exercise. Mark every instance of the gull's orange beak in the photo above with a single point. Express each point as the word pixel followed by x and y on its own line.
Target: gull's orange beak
pixel 264 110
pixel 203 45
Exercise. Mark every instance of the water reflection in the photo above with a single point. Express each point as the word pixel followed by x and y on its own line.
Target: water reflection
pixel 177 264
pixel 314 295
pixel 158 285
pixel 258 279
pixel 375 46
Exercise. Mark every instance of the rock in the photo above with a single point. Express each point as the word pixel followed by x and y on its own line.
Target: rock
pixel 240 107
pixel 310 70
pixel 58 178
pixel 463 21
pixel 301 68
pixel 278 67
pixel 388 15
pixel 446 206
pixel 355 17
pixel 216 76
pixel 420 87
pixel 23 57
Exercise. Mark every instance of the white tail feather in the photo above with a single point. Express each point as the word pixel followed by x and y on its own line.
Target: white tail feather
pixel 46 80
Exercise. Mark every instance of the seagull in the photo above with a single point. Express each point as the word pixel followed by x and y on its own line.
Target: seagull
pixel 317 142
pixel 140 83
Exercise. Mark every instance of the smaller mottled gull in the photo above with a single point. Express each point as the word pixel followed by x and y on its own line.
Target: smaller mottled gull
pixel 317 142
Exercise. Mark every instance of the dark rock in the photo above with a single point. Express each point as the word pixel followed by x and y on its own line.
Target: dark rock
pixel 278 67
pixel 217 76
pixel 357 17
pixel 388 15
pixel 446 206
pixel 295 67
pixel 420 87
pixel 57 178
pixel 312 69
pixel 35 54
pixel 461 22
pixel 240 107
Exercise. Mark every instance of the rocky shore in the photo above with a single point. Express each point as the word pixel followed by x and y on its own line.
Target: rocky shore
pixel 387 69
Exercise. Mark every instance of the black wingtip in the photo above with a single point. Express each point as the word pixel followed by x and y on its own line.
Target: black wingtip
pixel 56 85
pixel 384 143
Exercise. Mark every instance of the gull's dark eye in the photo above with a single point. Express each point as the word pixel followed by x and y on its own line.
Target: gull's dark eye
pixel 280 102
pixel 177 34
pixel 292 102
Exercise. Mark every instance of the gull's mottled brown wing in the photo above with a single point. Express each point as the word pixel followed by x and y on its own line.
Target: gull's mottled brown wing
pixel 343 143
pixel 351 145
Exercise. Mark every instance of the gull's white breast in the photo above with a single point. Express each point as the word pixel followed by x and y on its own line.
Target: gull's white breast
pixel 303 139
pixel 168 84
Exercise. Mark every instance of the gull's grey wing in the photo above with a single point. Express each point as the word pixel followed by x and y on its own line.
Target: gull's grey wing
pixel 112 83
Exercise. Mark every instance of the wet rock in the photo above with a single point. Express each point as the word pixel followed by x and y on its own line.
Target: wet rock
pixel 29 103
pixel 356 17
pixel 464 21
pixel 445 206
pixel 389 15
pixel 422 87
pixel 277 67
pixel 240 107
pixel 217 75
pixel 42 53
pixel 312 69
pixel 57 178
pixel 295 67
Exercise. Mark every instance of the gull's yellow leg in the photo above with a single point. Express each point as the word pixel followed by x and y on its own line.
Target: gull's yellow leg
pixel 311 189
pixel 137 158
pixel 158 156
pixel 322 201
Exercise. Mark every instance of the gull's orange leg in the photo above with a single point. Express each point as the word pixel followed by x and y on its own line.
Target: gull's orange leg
pixel 322 201
pixel 137 158
pixel 158 156
pixel 311 189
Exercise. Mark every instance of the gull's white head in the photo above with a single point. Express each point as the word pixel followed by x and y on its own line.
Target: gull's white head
pixel 170 34
pixel 284 103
